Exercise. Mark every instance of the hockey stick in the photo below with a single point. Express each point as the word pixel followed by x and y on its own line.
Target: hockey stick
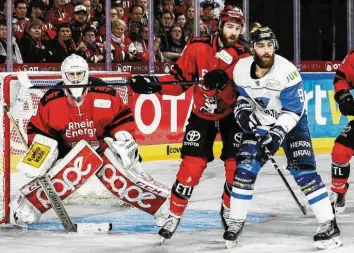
pixel 59 87
pixel 275 165
pixel 54 199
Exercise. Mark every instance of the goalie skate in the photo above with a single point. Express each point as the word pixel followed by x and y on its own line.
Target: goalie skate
pixel 338 200
pixel 327 236
pixel 234 230
pixel 169 227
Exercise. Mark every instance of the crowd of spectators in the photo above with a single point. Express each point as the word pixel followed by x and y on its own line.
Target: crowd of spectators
pixel 50 30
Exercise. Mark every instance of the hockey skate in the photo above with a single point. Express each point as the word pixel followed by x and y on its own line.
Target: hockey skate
pixel 224 216
pixel 327 236
pixel 338 200
pixel 233 232
pixel 169 227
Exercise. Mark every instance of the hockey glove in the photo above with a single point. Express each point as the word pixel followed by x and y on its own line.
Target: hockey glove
pixel 274 138
pixel 242 112
pixel 345 101
pixel 141 85
pixel 215 79
pixel 125 148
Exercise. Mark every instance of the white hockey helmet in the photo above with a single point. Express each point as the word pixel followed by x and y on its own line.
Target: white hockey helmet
pixel 74 71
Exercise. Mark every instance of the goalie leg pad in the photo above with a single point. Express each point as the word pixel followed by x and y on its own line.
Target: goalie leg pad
pixel 147 196
pixel 66 176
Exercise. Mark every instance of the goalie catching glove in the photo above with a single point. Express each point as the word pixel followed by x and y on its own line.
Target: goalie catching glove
pixel 125 148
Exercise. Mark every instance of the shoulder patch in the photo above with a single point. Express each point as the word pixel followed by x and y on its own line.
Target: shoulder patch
pixel 104 90
pixel 52 95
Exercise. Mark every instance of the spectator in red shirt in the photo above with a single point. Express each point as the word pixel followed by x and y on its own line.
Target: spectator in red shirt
pixel 57 14
pixel 38 9
pixel 20 19
pixel 208 17
pixel 123 48
pixel 70 7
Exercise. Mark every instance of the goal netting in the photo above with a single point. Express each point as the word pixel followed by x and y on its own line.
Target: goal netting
pixel 23 103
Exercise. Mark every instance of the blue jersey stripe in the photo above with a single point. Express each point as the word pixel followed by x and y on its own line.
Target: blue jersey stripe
pixel 318 198
pixel 241 196
pixel 293 98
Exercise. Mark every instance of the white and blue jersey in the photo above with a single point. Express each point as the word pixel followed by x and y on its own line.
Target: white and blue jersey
pixel 278 97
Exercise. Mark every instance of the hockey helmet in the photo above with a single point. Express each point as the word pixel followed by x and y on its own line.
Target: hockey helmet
pixel 231 13
pixel 263 33
pixel 74 71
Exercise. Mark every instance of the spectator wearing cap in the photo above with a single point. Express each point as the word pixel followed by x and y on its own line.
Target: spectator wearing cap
pixel 78 22
pixel 70 7
pixel 57 15
pixel 33 49
pixel 135 21
pixel 17 58
pixel 208 17
pixel 19 21
pixel 64 45
pixel 94 50
pixel 173 49
pixel 38 9
pixel 123 48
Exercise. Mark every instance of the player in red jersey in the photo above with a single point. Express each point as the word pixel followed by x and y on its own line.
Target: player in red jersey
pixel 78 132
pixel 343 148
pixel 210 60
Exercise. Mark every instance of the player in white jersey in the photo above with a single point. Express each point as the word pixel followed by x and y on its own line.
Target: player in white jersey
pixel 272 101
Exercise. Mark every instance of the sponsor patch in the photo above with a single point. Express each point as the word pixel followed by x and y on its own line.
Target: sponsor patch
pixel 102 103
pixel 36 155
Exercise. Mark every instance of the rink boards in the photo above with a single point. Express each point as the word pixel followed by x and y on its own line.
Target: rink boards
pixel 325 120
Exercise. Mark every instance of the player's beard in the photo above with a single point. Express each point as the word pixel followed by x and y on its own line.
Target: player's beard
pixel 228 40
pixel 265 61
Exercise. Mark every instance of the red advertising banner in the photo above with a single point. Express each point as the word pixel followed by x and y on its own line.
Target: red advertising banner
pixel 160 67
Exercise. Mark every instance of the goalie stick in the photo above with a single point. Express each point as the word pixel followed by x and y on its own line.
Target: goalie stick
pixel 275 165
pixel 59 87
pixel 54 199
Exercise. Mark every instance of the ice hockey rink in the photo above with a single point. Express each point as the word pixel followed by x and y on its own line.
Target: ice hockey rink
pixel 274 224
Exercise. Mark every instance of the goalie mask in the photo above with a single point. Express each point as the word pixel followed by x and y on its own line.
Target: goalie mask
pixel 74 71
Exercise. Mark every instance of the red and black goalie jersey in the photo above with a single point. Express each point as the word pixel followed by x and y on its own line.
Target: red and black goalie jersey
pixel 101 114
pixel 200 56
pixel 344 79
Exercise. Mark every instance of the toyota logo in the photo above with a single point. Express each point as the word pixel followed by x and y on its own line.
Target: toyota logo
pixel 347 129
pixel 238 137
pixel 193 135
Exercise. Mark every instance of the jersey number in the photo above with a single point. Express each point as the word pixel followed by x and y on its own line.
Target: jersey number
pixel 301 95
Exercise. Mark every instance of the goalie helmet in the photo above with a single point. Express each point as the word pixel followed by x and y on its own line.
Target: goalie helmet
pixel 231 13
pixel 74 71
pixel 263 33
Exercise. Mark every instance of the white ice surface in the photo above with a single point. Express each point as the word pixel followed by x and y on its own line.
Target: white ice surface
pixel 288 231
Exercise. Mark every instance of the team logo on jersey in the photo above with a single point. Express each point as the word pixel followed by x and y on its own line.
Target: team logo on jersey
pixel 263 101
pixel 193 136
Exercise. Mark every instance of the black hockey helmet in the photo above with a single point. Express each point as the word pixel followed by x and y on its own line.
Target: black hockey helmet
pixel 263 33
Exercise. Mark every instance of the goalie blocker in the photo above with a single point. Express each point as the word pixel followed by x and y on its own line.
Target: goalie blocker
pixel 74 170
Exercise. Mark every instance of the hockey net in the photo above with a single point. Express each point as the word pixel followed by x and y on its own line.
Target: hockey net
pixel 23 103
